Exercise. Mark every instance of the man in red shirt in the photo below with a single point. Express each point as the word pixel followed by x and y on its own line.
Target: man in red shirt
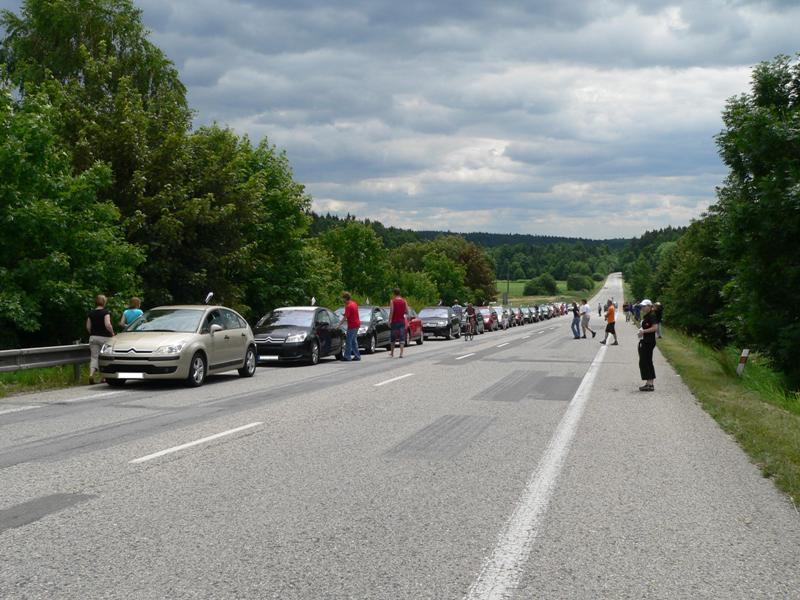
pixel 353 323
pixel 397 318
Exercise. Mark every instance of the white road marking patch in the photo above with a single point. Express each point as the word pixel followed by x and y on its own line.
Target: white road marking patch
pixel 502 571
pixel 17 409
pixel 82 398
pixel 542 331
pixel 466 356
pixel 393 379
pixel 525 337
pixel 194 443
pixel 506 344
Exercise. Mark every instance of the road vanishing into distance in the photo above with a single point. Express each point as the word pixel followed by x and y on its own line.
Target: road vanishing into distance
pixel 522 464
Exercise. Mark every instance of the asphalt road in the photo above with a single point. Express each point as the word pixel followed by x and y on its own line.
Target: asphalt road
pixel 522 464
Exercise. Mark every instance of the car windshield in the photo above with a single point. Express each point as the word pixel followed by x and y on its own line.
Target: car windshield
pixel 298 318
pixel 433 312
pixel 184 320
pixel 484 311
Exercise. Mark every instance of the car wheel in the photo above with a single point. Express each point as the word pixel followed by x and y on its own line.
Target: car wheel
pixel 419 341
pixel 115 382
pixel 449 334
pixel 197 370
pixel 371 345
pixel 458 333
pixel 250 363
pixel 314 357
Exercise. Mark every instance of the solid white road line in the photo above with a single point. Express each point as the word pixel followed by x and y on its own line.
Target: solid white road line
pixel 525 337
pixel 194 443
pixel 393 379
pixel 466 356
pixel 501 345
pixel 501 572
pixel 17 409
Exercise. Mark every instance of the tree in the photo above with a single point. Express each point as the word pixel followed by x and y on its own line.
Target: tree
pixel 578 283
pixel 759 209
pixel 60 243
pixel 364 260
pixel 447 274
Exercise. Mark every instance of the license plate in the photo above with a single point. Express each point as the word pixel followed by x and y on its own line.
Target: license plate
pixel 267 358
pixel 133 376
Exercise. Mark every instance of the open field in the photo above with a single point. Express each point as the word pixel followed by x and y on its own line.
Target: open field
pixel 516 292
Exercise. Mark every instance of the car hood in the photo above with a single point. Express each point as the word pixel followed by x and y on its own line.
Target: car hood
pixel 148 341
pixel 279 332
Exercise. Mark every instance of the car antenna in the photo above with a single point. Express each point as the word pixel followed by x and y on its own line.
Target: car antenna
pixel 209 297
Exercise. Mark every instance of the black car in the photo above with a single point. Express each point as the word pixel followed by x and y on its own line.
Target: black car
pixel 298 333
pixel 374 331
pixel 440 321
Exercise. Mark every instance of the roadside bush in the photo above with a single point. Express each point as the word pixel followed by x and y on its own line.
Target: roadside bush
pixel 598 277
pixel 579 283
pixel 543 285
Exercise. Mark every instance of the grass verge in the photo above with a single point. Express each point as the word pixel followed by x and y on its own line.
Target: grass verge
pixel 34 380
pixel 516 292
pixel 756 409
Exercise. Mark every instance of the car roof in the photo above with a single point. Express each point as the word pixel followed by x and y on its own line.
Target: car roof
pixel 301 308
pixel 186 306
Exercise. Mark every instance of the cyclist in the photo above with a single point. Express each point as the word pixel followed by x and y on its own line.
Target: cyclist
pixel 472 322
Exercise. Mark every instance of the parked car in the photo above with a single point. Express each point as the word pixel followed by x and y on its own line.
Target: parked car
pixel 413 326
pixel 501 316
pixel 439 321
pixel 297 334
pixel 489 318
pixel 374 331
pixel 527 315
pixel 180 342
pixel 517 316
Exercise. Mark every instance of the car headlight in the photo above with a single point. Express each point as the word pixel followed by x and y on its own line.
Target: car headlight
pixel 297 337
pixel 442 323
pixel 362 329
pixel 171 348
pixel 107 349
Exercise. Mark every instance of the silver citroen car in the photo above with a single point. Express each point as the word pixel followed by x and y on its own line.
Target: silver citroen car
pixel 180 342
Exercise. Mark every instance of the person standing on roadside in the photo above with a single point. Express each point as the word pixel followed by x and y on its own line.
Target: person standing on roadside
pixel 658 312
pixel 133 312
pixel 353 323
pixel 98 325
pixel 585 317
pixel 398 309
pixel 647 343
pixel 610 323
pixel 458 309
pixel 576 321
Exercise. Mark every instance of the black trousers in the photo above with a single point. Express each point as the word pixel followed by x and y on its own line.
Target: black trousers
pixel 646 368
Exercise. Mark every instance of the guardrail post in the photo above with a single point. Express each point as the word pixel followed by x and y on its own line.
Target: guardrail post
pixel 742 362
pixel 76 372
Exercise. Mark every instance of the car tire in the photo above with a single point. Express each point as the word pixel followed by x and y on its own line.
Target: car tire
pixel 458 333
pixel 250 363
pixel 198 369
pixel 371 345
pixel 408 338
pixel 419 341
pixel 313 357
pixel 115 382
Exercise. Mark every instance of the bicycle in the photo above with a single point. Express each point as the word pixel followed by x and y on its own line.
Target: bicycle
pixel 469 330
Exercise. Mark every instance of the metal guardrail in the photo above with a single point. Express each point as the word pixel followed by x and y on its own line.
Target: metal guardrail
pixel 50 356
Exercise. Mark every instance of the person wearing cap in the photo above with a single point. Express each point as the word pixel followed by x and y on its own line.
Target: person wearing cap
pixel 647 343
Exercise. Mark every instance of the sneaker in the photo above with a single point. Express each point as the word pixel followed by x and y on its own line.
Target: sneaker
pixel 645 388
pixel 615 344
pixel 583 337
pixel 594 333
pixel 603 342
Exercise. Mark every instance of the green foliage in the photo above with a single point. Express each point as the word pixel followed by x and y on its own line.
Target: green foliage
pixel 544 285
pixel 578 283
pixel 364 260
pixel 60 244
pixel 447 274
pixel 559 258
pixel 598 277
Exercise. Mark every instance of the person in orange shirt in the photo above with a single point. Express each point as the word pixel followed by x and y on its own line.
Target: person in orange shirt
pixel 610 321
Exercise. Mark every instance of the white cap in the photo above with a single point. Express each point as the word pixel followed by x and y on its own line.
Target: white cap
pixel 646 302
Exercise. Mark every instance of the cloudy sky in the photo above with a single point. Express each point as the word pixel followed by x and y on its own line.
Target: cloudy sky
pixel 591 119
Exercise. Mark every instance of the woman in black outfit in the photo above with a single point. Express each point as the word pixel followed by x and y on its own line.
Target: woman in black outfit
pixel 647 344
pixel 98 324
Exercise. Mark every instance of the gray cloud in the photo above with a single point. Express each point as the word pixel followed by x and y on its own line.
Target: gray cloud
pixel 572 118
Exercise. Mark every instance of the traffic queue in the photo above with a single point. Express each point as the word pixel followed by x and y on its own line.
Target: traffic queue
pixel 189 342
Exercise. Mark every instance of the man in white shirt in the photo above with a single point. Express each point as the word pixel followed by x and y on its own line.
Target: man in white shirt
pixel 585 316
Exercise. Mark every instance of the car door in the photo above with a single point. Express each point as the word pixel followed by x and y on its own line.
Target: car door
pixel 382 326
pixel 323 329
pixel 337 334
pixel 218 348
pixel 235 335
pixel 415 324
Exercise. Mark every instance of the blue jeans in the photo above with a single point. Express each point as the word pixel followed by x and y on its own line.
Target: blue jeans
pixel 576 326
pixel 351 345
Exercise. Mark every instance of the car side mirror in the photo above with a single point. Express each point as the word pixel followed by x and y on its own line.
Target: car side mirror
pixel 215 328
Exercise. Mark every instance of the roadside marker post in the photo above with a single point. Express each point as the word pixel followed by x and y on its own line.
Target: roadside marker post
pixel 742 361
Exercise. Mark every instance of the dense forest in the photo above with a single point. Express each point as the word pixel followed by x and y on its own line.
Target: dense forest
pixel 732 276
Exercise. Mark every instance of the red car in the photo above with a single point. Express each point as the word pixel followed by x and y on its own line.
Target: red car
pixel 489 318
pixel 413 326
